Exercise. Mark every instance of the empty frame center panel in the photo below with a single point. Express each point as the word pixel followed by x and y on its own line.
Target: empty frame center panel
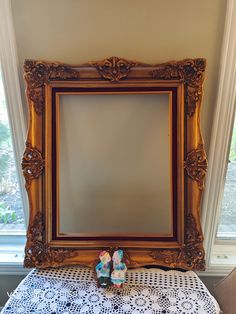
pixel 114 165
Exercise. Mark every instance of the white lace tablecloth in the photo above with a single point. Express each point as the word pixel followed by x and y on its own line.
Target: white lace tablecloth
pixel 74 290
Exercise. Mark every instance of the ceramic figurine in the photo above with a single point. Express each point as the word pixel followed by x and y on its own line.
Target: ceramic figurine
pixel 103 269
pixel 119 269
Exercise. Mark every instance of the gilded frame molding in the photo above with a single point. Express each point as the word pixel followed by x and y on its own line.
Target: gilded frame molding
pixel 186 77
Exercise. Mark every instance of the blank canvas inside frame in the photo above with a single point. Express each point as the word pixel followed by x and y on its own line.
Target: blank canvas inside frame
pixel 115 164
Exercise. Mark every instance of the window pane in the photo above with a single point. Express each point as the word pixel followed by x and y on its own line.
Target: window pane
pixel 11 210
pixel 227 226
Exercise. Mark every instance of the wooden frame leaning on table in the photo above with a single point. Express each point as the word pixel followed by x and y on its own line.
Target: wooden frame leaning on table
pixel 182 81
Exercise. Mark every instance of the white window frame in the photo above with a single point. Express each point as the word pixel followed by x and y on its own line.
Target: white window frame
pixel 220 141
pixel 17 120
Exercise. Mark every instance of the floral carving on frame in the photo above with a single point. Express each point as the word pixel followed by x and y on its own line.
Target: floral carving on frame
pixel 37 252
pixel 191 71
pixel 38 73
pixel 196 165
pixel 32 164
pixel 114 69
pixel 191 254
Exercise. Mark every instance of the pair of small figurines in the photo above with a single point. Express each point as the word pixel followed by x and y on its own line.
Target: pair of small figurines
pixel 111 275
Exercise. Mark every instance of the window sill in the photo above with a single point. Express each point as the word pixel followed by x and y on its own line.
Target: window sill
pixel 215 271
pixel 12 255
pixel 13 269
pixel 222 259
pixel 224 254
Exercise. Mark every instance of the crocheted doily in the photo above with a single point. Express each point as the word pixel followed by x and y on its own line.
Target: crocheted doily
pixel 147 291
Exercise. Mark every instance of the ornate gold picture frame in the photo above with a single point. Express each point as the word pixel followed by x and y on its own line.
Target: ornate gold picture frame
pixel 182 81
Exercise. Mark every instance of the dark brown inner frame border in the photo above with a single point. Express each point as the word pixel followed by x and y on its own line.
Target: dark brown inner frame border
pixel 115 90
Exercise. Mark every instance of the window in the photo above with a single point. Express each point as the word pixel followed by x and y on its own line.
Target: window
pixel 227 223
pixel 219 203
pixel 13 201
pixel 11 207
pixel 224 246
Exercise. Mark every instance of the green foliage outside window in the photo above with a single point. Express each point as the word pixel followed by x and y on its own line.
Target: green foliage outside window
pixel 4 154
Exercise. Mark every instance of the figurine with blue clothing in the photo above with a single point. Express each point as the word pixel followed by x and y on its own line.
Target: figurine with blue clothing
pixel 103 269
pixel 119 269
